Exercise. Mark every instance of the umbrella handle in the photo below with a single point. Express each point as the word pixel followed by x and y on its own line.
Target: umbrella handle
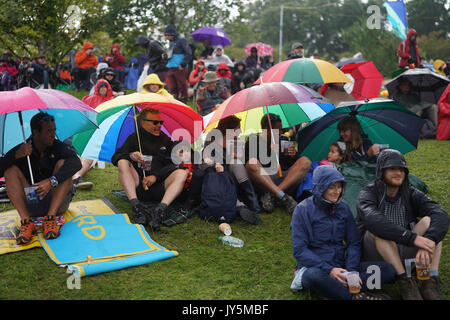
pixel 25 141
pixel 280 173
pixel 139 140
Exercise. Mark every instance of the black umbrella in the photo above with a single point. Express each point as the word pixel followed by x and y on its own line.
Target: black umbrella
pixel 345 61
pixel 425 83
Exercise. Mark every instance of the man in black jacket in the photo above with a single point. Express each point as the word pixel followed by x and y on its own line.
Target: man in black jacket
pixel 162 181
pixel 157 56
pixel 53 164
pixel 388 213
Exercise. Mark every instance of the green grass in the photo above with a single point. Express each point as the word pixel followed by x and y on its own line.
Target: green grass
pixel 205 269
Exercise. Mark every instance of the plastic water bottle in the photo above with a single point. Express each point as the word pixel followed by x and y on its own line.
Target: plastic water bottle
pixel 383 146
pixel 232 241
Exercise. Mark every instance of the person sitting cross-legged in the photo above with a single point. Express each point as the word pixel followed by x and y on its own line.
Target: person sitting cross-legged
pixel 388 213
pixel 163 182
pixel 53 164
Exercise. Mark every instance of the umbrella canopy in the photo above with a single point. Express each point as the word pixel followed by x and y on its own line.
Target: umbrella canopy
pixel 304 70
pixel 367 80
pixel 71 114
pixel 215 35
pixel 345 61
pixel 264 50
pixel 427 84
pixel 296 104
pixel 383 120
pixel 116 123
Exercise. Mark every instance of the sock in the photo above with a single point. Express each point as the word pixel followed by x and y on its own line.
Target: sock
pixel 280 194
pixel 434 273
pixel 402 275
pixel 134 202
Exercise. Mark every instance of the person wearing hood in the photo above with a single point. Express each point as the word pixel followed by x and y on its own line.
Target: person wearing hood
pixel 242 78
pixel 225 76
pixel 198 74
pixel 439 66
pixel 156 54
pixel 398 222
pixel 117 87
pixel 85 64
pixel 102 92
pixel 153 84
pixel 326 242
pixel 443 127
pixel 116 60
pixel 253 61
pixel 179 55
pixel 7 73
pixel 218 57
pixel 407 51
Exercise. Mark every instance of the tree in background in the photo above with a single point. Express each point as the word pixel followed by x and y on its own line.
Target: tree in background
pixel 427 16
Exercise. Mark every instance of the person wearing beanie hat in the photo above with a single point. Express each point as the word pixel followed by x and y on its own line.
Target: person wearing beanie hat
pixel 117 87
pixel 296 51
pixel 398 222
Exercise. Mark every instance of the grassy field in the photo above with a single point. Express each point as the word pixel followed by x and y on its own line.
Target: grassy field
pixel 205 269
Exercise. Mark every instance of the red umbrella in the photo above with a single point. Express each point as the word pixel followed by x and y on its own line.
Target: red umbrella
pixel 264 49
pixel 367 80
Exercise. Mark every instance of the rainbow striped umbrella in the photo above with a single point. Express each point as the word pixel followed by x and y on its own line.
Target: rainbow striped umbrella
pixel 304 70
pixel 116 122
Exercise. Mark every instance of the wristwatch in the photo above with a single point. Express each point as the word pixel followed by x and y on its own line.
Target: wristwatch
pixel 53 181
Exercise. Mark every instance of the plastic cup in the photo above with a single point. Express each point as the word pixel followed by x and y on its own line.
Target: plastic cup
pixel 225 229
pixel 353 282
pixel 31 195
pixel 286 145
pixel 147 164
pixel 422 272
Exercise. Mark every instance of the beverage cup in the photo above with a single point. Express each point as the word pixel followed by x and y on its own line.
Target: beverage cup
pixel 147 164
pixel 422 272
pixel 353 282
pixel 286 145
pixel 225 229
pixel 31 194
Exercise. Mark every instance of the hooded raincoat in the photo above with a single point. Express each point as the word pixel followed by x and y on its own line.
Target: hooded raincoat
pixel 194 76
pixel 404 51
pixel 117 59
pixel 95 99
pixel 154 79
pixel 83 60
pixel 443 127
pixel 372 200
pixel 324 234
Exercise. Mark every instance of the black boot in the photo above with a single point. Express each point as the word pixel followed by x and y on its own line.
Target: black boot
pixel 248 195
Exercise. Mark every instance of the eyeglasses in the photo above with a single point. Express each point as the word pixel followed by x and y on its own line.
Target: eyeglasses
pixel 155 122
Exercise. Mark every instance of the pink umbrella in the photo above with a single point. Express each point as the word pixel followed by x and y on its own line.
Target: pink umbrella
pixel 264 49
pixel 18 107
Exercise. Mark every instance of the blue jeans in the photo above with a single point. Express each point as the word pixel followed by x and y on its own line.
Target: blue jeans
pixel 322 284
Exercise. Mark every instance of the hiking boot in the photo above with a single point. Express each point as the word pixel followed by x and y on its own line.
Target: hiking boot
pixel 267 202
pixel 288 203
pixel 140 214
pixel 370 296
pixel 51 230
pixel 250 216
pixel 157 215
pixel 27 231
pixel 80 184
pixel 408 288
pixel 430 289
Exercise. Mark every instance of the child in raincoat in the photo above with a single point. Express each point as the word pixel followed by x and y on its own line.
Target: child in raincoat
pixel 153 84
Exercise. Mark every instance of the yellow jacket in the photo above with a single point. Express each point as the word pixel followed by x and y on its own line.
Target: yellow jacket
pixel 154 79
pixel 437 64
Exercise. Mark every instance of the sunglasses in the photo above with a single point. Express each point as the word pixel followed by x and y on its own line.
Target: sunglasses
pixel 155 122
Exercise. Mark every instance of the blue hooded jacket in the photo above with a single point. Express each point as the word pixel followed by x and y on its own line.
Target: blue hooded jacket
pixel 182 53
pixel 324 234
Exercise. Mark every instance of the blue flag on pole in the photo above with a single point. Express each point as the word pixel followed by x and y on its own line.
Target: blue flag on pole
pixel 397 17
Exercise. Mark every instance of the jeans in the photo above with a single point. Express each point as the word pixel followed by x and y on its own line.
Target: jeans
pixel 321 283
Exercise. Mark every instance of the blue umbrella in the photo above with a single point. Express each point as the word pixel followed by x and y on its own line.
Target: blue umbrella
pixel 215 35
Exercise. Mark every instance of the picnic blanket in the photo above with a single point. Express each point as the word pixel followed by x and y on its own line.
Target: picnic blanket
pixel 91 244
pixel 10 222
pixel 176 212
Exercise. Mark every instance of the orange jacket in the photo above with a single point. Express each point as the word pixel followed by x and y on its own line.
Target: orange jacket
pixel 83 60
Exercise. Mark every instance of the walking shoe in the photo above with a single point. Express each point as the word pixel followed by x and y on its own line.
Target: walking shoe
pixel 140 214
pixel 51 230
pixel 157 215
pixel 370 296
pixel 408 288
pixel 80 184
pixel 267 202
pixel 250 216
pixel 27 231
pixel 430 289
pixel 288 203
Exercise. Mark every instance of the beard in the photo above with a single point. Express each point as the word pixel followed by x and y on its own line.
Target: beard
pixel 391 182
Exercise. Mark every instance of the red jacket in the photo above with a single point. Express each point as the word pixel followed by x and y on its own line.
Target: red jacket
pixel 12 70
pixel 443 127
pixel 83 60
pixel 223 66
pixel 115 60
pixel 403 50
pixel 95 99
pixel 194 77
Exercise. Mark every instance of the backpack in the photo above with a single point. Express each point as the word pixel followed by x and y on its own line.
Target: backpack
pixel 218 197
